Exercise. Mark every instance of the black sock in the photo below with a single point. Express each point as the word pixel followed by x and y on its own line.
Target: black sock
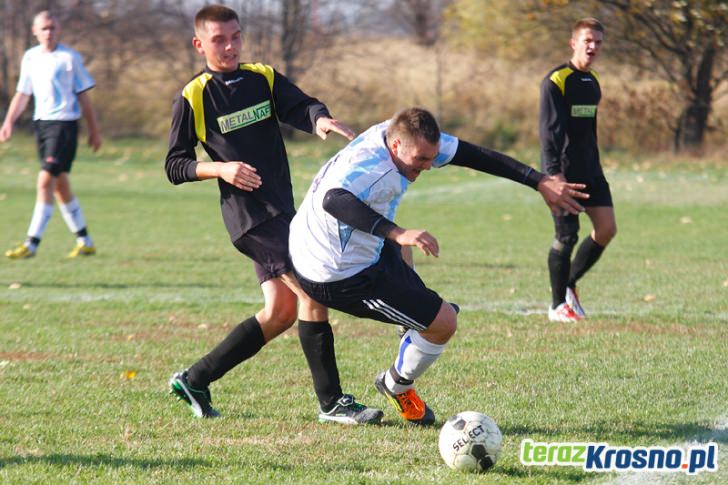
pixel 317 341
pixel 241 344
pixel 559 264
pixel 82 233
pixel 32 240
pixel 587 254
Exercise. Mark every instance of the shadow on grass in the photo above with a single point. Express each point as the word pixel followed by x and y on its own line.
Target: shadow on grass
pixel 100 461
pixel 636 434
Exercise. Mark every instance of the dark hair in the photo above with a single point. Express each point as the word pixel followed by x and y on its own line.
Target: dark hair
pixel 214 13
pixel 413 123
pixel 587 23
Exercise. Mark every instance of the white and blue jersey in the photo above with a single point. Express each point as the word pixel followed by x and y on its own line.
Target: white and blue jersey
pixel 324 249
pixel 55 79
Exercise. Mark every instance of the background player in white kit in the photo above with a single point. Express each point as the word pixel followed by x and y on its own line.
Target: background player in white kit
pixel 56 77
pixel 346 249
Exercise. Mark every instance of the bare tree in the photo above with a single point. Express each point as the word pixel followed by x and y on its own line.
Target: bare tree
pixel 687 41
pixel 421 18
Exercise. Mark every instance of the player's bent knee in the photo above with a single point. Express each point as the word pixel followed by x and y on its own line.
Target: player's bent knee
pixel 444 325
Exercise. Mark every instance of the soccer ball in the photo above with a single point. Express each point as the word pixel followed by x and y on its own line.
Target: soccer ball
pixel 470 441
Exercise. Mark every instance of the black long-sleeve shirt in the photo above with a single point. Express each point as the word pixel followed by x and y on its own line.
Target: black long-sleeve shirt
pixel 234 116
pixel 568 123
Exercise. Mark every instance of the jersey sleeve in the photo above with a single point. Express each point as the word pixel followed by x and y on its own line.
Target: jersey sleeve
pixel 181 161
pixel 347 208
pixel 25 85
pixel 294 107
pixel 552 126
pixel 495 163
pixel 448 148
pixel 82 80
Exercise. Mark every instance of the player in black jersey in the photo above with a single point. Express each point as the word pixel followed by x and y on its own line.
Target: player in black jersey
pixel 570 94
pixel 233 111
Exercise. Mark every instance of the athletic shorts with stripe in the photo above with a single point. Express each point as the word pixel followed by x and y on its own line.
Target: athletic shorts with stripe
pixel 388 291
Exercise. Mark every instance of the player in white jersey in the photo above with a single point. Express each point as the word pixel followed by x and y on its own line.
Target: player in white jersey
pixel 54 75
pixel 346 249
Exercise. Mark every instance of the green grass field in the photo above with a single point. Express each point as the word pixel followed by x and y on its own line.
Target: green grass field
pixel 87 346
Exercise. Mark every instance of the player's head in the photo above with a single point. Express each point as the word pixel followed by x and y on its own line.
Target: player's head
pixel 218 37
pixel 413 139
pixel 586 42
pixel 46 29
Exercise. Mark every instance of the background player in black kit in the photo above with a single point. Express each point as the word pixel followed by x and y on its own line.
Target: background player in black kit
pixel 570 94
pixel 233 110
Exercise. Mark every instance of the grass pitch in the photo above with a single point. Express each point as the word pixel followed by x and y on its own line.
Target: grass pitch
pixel 87 346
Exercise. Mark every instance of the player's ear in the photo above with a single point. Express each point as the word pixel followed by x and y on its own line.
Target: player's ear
pixel 197 44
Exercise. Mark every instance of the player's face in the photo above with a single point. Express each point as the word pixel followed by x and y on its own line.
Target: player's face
pixel 586 44
pixel 220 43
pixel 413 156
pixel 46 30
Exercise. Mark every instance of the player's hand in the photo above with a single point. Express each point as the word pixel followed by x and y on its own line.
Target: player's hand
pixel 6 131
pixel 326 125
pixel 425 241
pixel 240 174
pixel 94 141
pixel 561 195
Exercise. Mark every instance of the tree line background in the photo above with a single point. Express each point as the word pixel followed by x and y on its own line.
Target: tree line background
pixel 476 63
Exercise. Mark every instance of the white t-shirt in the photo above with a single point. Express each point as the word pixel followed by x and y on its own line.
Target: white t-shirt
pixel 324 249
pixel 54 79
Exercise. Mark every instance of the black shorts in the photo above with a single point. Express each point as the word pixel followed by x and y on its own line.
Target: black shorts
pixel 599 196
pixel 57 142
pixel 388 291
pixel 267 245
pixel 598 190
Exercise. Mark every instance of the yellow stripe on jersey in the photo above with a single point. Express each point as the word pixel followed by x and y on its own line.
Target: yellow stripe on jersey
pixel 559 78
pixel 594 73
pixel 193 94
pixel 263 69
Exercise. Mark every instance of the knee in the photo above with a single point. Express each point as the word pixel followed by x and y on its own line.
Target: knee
pixel 564 243
pixel 605 234
pixel 45 182
pixel 444 326
pixel 281 310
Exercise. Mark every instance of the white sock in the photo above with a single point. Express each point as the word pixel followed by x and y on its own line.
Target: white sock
pixel 416 355
pixel 73 215
pixel 41 216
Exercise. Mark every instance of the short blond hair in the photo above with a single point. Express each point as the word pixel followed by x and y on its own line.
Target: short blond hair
pixel 587 23
pixel 214 13
pixel 44 15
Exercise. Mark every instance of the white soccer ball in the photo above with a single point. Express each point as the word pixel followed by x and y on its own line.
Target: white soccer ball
pixel 470 441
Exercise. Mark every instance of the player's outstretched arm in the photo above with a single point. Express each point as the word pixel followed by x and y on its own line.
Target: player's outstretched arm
pixel 558 194
pixel 325 125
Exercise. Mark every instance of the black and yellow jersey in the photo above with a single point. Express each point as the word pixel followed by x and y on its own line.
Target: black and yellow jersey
pixel 234 116
pixel 568 123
